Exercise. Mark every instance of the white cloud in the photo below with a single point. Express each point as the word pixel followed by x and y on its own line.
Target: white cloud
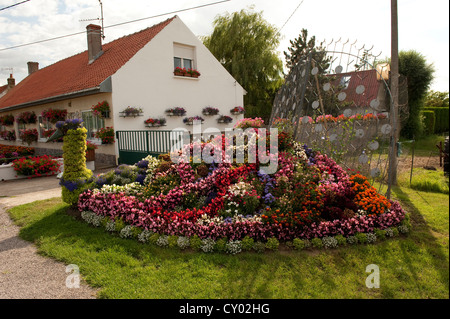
pixel 423 26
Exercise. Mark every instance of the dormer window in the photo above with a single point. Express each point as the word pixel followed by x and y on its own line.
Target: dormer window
pixel 184 56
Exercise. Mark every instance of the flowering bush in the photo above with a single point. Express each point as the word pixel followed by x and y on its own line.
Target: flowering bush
pixel 106 134
pixel 54 115
pixel 101 109
pixel 249 122
pixel 28 135
pixel 309 197
pixel 26 118
pixel 8 135
pixel 10 152
pixel 36 166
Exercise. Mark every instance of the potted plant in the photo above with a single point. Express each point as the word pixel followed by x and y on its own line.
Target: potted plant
pixel 176 111
pixel 237 110
pixel 8 135
pixel 90 151
pixel 7 120
pixel 193 73
pixel 106 134
pixel 54 115
pixel 29 136
pixel 26 118
pixel 101 109
pixel 210 111
pixel 190 120
pixel 131 111
pixel 151 122
pixel 179 71
pixel 224 119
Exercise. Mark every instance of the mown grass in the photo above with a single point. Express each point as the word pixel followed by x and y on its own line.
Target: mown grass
pixel 425 180
pixel 415 266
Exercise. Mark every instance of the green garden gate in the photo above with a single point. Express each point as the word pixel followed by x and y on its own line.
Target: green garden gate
pixel 135 145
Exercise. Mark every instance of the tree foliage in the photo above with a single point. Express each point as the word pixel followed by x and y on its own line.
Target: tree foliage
pixel 419 74
pixel 246 45
pixel 436 99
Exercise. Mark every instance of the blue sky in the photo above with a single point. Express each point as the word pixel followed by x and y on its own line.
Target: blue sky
pixel 423 26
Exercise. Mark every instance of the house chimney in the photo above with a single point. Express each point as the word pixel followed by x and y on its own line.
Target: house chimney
pixel 32 67
pixel 11 82
pixel 94 40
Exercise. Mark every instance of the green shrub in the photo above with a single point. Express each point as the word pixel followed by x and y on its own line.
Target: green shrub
pixel 221 245
pixel 362 238
pixel 441 118
pixel 342 241
pixel 272 243
pixel 195 242
pixel 380 233
pixel 247 243
pixel 298 244
pixel 317 242
pixel 429 122
pixel 259 247
pixel 173 241
pixel 120 224
pixel 153 238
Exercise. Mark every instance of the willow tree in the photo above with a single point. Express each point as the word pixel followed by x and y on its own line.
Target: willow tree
pixel 246 46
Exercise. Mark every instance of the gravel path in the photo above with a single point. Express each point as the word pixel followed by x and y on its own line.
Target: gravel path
pixel 23 273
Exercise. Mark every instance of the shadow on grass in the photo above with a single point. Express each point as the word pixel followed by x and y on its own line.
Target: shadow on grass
pixel 422 233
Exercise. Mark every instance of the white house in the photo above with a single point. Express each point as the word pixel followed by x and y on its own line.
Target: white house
pixel 137 71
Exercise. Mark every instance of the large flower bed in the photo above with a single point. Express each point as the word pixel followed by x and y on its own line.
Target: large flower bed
pixel 309 197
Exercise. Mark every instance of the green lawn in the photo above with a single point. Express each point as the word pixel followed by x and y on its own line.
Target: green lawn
pixel 415 266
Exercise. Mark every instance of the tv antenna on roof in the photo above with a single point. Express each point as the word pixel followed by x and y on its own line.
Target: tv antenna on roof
pixel 6 69
pixel 98 19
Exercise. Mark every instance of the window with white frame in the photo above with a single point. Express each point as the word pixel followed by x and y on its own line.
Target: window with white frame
pixel 92 124
pixel 184 56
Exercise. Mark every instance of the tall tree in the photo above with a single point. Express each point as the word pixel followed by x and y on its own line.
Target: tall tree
pixel 246 45
pixel 419 74
pixel 436 99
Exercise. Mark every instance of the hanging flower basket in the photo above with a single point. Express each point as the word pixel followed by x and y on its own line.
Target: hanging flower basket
pixel 210 111
pixel 151 122
pixel 8 135
pixel 101 109
pixel 26 118
pixel 224 119
pixel 237 110
pixel 7 120
pixel 191 120
pixel 131 112
pixel 54 116
pixel 176 111
pixel 106 134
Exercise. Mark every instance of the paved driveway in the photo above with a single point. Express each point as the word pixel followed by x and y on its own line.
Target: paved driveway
pixel 23 273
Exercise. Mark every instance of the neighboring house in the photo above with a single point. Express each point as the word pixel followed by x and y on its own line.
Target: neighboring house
pixel 361 88
pixel 136 70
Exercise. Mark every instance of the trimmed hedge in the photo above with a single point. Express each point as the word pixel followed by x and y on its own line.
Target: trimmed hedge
pixel 442 116
pixel 429 122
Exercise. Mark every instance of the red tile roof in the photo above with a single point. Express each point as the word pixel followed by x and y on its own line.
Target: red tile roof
pixel 367 78
pixel 3 88
pixel 74 74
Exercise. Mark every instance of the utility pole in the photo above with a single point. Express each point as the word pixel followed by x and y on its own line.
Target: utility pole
pixel 394 101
